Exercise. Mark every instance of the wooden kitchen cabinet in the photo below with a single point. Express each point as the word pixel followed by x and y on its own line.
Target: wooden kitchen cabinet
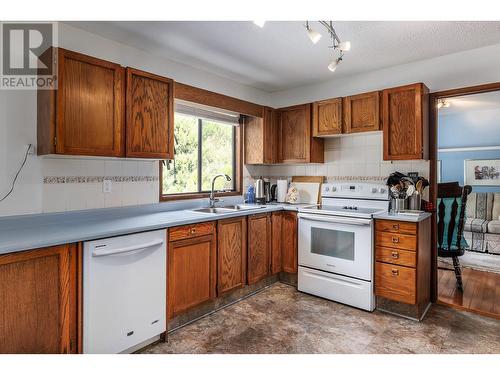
pixel 261 138
pixel 149 115
pixel 99 109
pixel 327 117
pixel 403 266
pixel 362 112
pixel 191 266
pixel 296 143
pixel 85 115
pixel 39 300
pixel 276 233
pixel 259 247
pixel 405 122
pixel 289 242
pixel 231 254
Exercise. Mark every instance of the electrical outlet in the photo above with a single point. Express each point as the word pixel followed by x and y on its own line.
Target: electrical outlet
pixel 106 186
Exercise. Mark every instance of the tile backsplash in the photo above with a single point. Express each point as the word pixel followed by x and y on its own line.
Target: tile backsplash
pixel 357 156
pixel 77 184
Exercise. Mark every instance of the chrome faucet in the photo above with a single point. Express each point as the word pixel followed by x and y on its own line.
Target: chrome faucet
pixel 212 198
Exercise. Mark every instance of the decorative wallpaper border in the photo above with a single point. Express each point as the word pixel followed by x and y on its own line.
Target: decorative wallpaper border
pixel 97 179
pixel 337 178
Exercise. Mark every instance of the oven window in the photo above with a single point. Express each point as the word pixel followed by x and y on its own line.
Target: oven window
pixel 332 243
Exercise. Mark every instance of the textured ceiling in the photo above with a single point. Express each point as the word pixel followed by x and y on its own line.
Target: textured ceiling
pixel 280 56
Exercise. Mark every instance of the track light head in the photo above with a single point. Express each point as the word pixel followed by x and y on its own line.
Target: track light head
pixel 344 46
pixel 312 34
pixel 259 23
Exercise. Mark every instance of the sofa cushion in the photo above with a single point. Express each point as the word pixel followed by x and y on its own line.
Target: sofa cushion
pixel 480 205
pixel 476 225
pixel 494 226
pixel 495 212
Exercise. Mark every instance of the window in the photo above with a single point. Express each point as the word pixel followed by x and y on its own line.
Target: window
pixel 204 147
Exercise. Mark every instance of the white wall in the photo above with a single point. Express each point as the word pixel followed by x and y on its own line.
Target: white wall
pixel 461 69
pixel 18 128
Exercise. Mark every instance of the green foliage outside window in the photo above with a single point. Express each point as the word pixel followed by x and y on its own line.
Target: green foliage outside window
pixel 217 146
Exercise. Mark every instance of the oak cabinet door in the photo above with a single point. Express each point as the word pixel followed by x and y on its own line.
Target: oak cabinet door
pixel 276 230
pixel 289 242
pixel 231 254
pixel 295 131
pixel 405 122
pixel 261 135
pixel 327 117
pixel 38 308
pixel 150 115
pixel 191 273
pixel 259 246
pixel 90 106
pixel 362 112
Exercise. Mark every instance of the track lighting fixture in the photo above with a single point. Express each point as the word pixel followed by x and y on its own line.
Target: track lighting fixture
pixel 443 103
pixel 259 23
pixel 313 34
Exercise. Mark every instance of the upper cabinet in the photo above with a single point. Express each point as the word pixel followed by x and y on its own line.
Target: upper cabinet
pixel 85 115
pixel 150 115
pixel 261 135
pixel 98 110
pixel 327 117
pixel 405 122
pixel 295 136
pixel 361 112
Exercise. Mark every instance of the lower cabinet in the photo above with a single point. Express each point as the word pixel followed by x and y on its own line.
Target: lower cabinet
pixel 276 230
pixel 38 306
pixel 231 254
pixel 259 247
pixel 191 266
pixel 289 242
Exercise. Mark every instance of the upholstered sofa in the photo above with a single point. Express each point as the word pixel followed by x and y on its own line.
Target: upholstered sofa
pixel 482 227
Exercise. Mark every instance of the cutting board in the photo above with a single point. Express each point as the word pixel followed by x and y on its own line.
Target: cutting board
pixel 312 179
pixel 308 191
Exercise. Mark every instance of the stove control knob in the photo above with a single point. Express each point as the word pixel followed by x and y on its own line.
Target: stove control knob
pixel 381 190
pixel 334 188
pixel 374 190
pixel 327 188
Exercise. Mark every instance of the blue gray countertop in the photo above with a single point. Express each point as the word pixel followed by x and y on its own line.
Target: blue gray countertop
pixel 403 217
pixel 25 232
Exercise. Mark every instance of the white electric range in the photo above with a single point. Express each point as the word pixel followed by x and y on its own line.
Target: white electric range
pixel 335 243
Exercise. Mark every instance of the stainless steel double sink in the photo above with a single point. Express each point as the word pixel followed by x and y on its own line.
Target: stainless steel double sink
pixel 227 209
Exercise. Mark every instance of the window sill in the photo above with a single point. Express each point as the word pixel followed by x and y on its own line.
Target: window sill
pixel 175 197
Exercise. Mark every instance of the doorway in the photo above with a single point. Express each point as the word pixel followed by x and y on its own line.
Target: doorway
pixel 465 150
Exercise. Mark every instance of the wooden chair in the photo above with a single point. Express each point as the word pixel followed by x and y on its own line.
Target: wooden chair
pixel 452 199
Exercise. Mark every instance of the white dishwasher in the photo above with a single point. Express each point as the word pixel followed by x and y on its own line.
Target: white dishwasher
pixel 124 291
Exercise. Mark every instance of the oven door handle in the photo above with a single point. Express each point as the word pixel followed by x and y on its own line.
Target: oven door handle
pixel 335 219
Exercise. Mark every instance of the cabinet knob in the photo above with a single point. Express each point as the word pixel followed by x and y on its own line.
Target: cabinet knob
pixel 395 226
pixel 395 255
pixel 395 272
pixel 193 230
pixel 395 240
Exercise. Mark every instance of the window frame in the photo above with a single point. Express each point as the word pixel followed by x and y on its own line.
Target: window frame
pixel 237 171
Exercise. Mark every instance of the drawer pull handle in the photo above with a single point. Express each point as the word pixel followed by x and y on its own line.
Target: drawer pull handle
pixel 193 230
pixel 395 226
pixel 395 240
pixel 395 255
pixel 395 272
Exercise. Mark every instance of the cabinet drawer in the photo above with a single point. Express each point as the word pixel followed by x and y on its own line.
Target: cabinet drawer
pixel 396 240
pixel 394 226
pixel 395 282
pixel 190 231
pixel 396 256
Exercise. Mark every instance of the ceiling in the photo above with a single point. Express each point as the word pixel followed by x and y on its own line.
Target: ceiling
pixel 474 102
pixel 280 55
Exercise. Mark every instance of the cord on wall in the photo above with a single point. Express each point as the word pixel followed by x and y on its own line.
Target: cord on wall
pixel 28 149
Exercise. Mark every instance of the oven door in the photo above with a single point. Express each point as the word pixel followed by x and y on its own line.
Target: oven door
pixel 342 245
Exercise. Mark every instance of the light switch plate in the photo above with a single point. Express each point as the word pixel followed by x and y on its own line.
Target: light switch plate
pixel 106 186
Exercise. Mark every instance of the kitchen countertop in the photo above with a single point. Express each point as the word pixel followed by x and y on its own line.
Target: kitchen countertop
pixel 25 232
pixel 402 217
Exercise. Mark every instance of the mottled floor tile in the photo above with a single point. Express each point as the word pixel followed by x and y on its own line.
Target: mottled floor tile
pixel 282 320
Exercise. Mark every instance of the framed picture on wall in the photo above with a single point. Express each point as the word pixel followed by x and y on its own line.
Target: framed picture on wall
pixel 482 172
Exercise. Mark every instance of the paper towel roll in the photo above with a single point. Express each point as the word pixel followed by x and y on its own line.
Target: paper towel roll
pixel 281 189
